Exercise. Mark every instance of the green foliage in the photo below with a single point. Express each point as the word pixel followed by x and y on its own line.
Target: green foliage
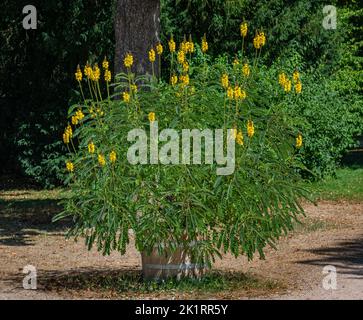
pixel 36 78
pixel 347 185
pixel 186 205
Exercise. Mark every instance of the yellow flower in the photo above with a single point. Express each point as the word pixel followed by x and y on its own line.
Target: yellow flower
pixel 79 114
pixel 172 45
pixel 173 80
pixel 152 55
pixel 282 79
pixel 299 141
pixel 204 44
pixel 105 64
pixel 126 97
pixel 69 166
pixel 133 88
pixel 239 138
pixel 298 87
pixel 151 116
pixel 296 76
pixel 250 129
pixel 91 147
pixel 77 117
pixel 159 49
pixel 69 131
pixel 113 156
pixel 66 138
pixel 225 80
pixel 237 92
pixel 259 40
pixel 78 74
pixel 287 85
pixel 185 66
pixel 96 73
pixel 181 56
pixel 107 75
pixel 88 71
pixel 101 160
pixel 184 79
pixel 243 29
pixel 230 93
pixel 129 60
pixel 191 44
pixel 235 62
pixel 74 120
pixel 246 70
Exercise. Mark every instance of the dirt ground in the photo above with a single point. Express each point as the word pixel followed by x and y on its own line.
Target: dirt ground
pixel 332 234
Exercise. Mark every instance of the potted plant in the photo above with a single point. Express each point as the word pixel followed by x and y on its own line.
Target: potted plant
pixel 133 164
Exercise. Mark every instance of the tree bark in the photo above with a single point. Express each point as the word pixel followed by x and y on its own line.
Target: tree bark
pixel 137 30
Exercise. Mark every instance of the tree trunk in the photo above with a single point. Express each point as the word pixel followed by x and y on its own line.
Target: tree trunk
pixel 137 29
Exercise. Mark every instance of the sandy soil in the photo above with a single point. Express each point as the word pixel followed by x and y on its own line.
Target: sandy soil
pixel 332 235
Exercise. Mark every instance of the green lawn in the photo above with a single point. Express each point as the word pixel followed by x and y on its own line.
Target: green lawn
pixel 348 185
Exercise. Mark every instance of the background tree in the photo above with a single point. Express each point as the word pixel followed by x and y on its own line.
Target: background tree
pixel 137 30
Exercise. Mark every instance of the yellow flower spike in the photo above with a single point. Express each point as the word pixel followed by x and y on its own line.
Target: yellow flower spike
pixel 299 141
pixel 230 93
pixel 246 70
pixel 239 138
pixel 152 55
pixel 159 49
pixel 88 71
pixel 259 40
pixel 282 79
pixel 113 156
pixel 173 80
pixel 185 66
pixel 96 73
pixel 181 56
pixel 79 114
pixel 91 148
pixel 287 85
pixel 298 87
pixel 191 45
pixel 204 44
pixel 66 138
pixel 129 60
pixel 243 29
pixel 69 131
pixel 108 76
pixel 225 81
pixel 151 116
pixel 296 76
pixel 133 88
pixel 101 160
pixel 69 166
pixel 235 62
pixel 78 74
pixel 250 128
pixel 237 92
pixel 184 79
pixel 172 45
pixel 74 120
pixel 126 97
pixel 105 64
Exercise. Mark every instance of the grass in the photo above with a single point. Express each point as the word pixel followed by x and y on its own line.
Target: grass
pixel 347 185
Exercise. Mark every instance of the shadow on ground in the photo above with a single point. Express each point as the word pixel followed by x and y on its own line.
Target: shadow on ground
pixel 21 219
pixel 103 282
pixel 346 256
